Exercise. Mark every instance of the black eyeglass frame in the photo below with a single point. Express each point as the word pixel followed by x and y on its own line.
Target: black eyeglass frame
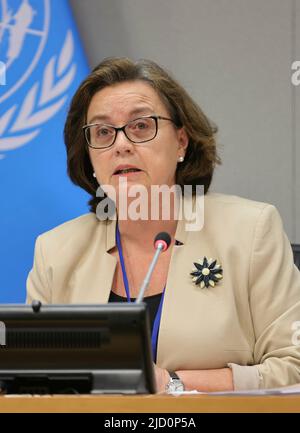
pixel 122 128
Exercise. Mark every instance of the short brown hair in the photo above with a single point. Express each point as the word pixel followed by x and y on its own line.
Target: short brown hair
pixel 201 156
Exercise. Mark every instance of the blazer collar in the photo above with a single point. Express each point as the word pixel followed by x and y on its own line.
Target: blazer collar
pixel 191 216
pixel 188 207
pixel 110 234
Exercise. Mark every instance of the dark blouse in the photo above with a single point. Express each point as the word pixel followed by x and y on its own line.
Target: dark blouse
pixel 152 303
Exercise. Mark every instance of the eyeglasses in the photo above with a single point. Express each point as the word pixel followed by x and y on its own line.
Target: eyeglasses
pixel 141 130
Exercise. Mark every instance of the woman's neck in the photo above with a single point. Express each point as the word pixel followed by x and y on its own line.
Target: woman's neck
pixel 142 233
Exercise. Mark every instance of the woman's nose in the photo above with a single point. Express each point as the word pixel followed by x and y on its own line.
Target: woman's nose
pixel 122 144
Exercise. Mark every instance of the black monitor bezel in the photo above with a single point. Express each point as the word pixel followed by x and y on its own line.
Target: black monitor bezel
pixel 123 314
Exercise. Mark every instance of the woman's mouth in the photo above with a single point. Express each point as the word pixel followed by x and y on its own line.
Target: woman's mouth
pixel 126 171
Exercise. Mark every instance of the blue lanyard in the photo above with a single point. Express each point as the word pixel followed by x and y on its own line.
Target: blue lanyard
pixel 156 324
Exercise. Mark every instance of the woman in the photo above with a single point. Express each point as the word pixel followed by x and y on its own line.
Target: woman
pixel 226 296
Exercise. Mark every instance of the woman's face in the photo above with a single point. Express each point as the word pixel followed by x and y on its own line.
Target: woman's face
pixel 157 159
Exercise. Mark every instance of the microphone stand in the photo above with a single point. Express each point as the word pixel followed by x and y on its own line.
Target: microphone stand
pixel 160 247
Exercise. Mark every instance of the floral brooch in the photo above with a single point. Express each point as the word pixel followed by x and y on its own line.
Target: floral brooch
pixel 207 273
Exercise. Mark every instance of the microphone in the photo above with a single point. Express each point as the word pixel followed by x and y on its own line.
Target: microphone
pixel 161 244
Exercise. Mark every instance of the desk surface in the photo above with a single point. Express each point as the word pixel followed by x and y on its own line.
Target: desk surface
pixel 150 404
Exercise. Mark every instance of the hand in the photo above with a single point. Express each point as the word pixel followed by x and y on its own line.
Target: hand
pixel 162 378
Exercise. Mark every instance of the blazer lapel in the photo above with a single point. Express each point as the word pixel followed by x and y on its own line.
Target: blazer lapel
pixel 96 268
pixel 183 254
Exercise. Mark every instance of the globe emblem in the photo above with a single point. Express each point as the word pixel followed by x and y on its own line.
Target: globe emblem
pixel 24 27
pixel 38 78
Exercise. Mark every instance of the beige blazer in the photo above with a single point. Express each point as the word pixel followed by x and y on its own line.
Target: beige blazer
pixel 249 321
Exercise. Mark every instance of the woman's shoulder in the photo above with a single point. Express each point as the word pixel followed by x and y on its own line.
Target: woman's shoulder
pixel 239 211
pixel 80 227
pixel 236 205
pixel 235 201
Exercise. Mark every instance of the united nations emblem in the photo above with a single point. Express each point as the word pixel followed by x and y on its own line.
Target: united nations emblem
pixel 37 96
pixel 24 30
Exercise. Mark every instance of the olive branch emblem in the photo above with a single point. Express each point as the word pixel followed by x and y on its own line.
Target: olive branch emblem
pixel 21 123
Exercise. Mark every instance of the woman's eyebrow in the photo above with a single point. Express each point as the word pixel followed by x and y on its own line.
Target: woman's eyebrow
pixel 145 110
pixel 141 110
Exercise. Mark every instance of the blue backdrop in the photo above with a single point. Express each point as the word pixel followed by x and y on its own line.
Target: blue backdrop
pixel 45 63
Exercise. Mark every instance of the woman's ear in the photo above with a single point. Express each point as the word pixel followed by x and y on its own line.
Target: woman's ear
pixel 183 140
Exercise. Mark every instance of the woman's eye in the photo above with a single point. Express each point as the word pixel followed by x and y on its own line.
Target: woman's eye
pixel 141 125
pixel 102 131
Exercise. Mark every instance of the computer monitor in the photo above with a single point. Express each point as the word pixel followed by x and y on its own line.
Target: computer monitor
pixel 47 349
